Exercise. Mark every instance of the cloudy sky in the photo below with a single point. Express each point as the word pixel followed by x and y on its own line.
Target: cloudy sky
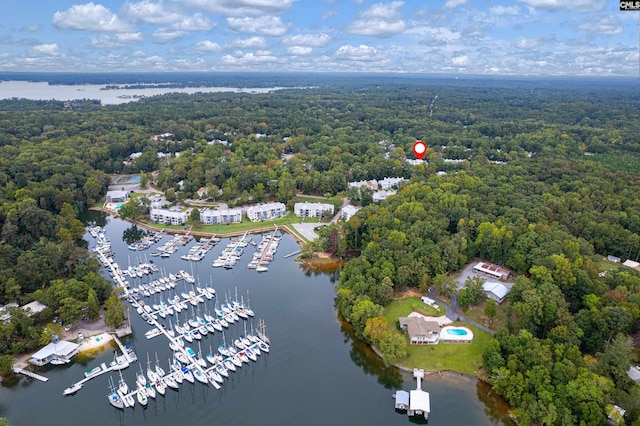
pixel 508 37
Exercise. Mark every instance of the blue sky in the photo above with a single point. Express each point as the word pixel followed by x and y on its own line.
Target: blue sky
pixel 509 37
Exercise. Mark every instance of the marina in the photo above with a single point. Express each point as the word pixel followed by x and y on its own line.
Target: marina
pixel 303 326
pixel 187 363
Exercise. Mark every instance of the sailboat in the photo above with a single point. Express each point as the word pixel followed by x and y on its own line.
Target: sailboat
pixel 113 396
pixel 151 374
pixel 223 348
pixel 142 395
pixel 151 391
pixel 159 370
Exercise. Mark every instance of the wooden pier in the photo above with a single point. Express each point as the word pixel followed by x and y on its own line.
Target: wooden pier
pixel 31 374
pixel 266 248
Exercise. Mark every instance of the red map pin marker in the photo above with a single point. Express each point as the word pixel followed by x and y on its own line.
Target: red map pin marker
pixel 419 149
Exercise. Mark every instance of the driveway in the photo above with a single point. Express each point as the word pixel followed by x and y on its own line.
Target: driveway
pixel 306 230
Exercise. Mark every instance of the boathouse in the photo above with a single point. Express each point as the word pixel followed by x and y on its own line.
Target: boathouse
pixel 60 352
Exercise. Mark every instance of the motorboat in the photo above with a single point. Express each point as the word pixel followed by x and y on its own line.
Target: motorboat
pixel 72 389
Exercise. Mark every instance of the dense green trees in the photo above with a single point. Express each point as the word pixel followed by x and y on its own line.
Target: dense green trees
pixel 544 209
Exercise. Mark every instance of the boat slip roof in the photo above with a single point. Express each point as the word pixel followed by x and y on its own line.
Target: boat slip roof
pixel 419 400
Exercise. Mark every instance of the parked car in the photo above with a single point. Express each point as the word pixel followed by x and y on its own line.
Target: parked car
pixel 68 327
pixel 55 320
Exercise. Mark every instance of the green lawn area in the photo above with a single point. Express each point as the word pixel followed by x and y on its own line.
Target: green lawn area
pixel 245 225
pixel 463 358
pixel 604 264
pixel 476 313
pixel 403 307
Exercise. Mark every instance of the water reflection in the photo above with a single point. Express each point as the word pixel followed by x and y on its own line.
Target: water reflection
pixel 364 357
pixel 495 407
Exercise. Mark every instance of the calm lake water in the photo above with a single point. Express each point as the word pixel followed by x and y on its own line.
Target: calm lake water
pixel 45 91
pixel 315 374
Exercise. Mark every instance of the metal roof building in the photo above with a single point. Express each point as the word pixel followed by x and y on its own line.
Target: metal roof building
pixel 56 353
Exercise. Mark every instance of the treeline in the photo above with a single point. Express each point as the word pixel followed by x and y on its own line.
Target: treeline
pixel 545 212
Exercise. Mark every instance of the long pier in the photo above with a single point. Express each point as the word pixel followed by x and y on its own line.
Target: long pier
pixel 31 374
pixel 267 247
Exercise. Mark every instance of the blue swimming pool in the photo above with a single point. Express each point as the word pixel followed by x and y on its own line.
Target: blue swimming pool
pixel 456 331
pixel 118 206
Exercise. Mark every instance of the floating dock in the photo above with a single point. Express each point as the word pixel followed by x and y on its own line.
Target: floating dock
pixel 31 374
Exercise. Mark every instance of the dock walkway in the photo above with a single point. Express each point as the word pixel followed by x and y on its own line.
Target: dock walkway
pixel 31 374
pixel 266 249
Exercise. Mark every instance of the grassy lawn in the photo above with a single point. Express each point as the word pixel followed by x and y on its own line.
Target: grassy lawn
pixel 476 313
pixel 604 264
pixel 463 358
pixel 403 307
pixel 245 225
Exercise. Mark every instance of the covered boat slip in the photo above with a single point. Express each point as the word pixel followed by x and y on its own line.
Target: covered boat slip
pixel 416 402
pixel 59 352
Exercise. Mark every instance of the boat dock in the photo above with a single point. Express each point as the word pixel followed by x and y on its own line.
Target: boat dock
pixel 415 402
pixel 266 251
pixel 31 374
pixel 292 254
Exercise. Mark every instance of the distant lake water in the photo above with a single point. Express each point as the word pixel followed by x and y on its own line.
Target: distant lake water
pixel 45 91
pixel 317 372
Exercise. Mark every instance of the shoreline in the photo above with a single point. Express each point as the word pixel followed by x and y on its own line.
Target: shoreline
pixel 148 227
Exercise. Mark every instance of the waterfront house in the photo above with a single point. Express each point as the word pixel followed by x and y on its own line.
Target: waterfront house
pixel 266 211
pixel 312 209
pixel 421 331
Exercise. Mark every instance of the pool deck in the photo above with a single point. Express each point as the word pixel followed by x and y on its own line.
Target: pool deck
pixel 446 337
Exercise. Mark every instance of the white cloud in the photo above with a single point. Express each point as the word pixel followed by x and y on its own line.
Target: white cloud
pixel 89 17
pixel 164 35
pixel 31 28
pixel 577 5
pixel 207 46
pixel 248 43
pixel 266 25
pixel 436 34
pixel 527 43
pixel 300 50
pixel 379 20
pixel 312 40
pixel 117 40
pixel 159 14
pixel 362 53
pixel 240 7
pixel 608 25
pixel 46 49
pixel 240 59
pixel 452 4
pixel 504 10
pixel 460 60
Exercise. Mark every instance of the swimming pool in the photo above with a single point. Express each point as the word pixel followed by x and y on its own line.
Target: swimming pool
pixel 456 334
pixel 118 206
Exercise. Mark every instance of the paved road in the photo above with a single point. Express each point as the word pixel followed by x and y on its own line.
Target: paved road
pixel 452 313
